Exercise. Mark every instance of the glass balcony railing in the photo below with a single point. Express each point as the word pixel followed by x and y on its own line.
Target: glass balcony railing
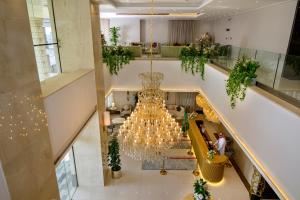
pixel 279 74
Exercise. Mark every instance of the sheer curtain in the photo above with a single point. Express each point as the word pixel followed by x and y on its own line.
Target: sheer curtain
pixel 181 31
pixel 187 100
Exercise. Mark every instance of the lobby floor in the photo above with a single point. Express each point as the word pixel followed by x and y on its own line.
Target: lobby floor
pixel 137 184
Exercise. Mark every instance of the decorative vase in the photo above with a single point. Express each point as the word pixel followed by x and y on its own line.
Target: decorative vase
pixel 116 174
pixel 198 196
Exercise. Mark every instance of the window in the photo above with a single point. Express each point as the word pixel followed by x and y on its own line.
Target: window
pixel 44 38
pixel 66 176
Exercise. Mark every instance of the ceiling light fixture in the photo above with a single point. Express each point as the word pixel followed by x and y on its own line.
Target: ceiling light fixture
pixel 150 129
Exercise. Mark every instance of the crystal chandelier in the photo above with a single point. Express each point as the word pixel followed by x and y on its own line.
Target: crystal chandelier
pixel 150 130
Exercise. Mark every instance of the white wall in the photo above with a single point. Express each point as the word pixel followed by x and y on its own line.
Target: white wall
pixel 104 26
pixel 203 27
pixel 160 30
pixel 68 109
pixel 267 132
pixel 174 80
pixel 266 28
pixel 130 29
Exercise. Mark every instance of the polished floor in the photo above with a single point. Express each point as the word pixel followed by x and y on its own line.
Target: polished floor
pixel 150 185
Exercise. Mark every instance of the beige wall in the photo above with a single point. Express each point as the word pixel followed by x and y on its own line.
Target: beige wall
pixel 87 152
pixel 25 148
pixel 100 87
pixel 73 23
pixel 68 109
pixel 266 28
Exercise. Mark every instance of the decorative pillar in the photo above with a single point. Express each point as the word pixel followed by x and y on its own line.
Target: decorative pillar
pixel 99 79
pixel 25 150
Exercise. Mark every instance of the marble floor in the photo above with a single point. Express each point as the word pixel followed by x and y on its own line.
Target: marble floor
pixel 150 185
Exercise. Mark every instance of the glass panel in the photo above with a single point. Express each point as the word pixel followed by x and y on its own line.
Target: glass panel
pixel 71 173
pixel 288 76
pixel 268 65
pixel 41 21
pixel 47 61
pixel 62 182
pixel 233 57
pixel 278 71
pixel 250 53
pixel 66 176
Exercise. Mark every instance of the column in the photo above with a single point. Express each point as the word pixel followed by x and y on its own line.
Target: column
pixel 25 150
pixel 95 19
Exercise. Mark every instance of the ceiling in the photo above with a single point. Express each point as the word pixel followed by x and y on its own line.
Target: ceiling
pixel 191 9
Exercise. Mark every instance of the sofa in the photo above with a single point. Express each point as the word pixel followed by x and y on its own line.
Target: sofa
pixel 171 51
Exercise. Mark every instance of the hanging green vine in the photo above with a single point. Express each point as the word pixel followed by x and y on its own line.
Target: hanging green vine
pixel 193 58
pixel 240 78
pixel 116 56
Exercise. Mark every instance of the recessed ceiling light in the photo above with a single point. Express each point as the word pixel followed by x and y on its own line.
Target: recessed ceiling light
pixel 256 1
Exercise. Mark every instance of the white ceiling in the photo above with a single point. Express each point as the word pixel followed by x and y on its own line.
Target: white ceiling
pixel 206 9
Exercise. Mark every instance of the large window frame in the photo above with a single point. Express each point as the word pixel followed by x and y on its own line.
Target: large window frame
pixel 47 46
pixel 65 177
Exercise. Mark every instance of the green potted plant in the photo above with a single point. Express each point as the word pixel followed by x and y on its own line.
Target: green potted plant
pixel 114 35
pixel 114 160
pixel 200 191
pixel 185 124
pixel 116 56
pixel 242 75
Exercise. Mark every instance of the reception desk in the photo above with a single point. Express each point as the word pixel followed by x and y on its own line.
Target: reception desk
pixel 212 170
